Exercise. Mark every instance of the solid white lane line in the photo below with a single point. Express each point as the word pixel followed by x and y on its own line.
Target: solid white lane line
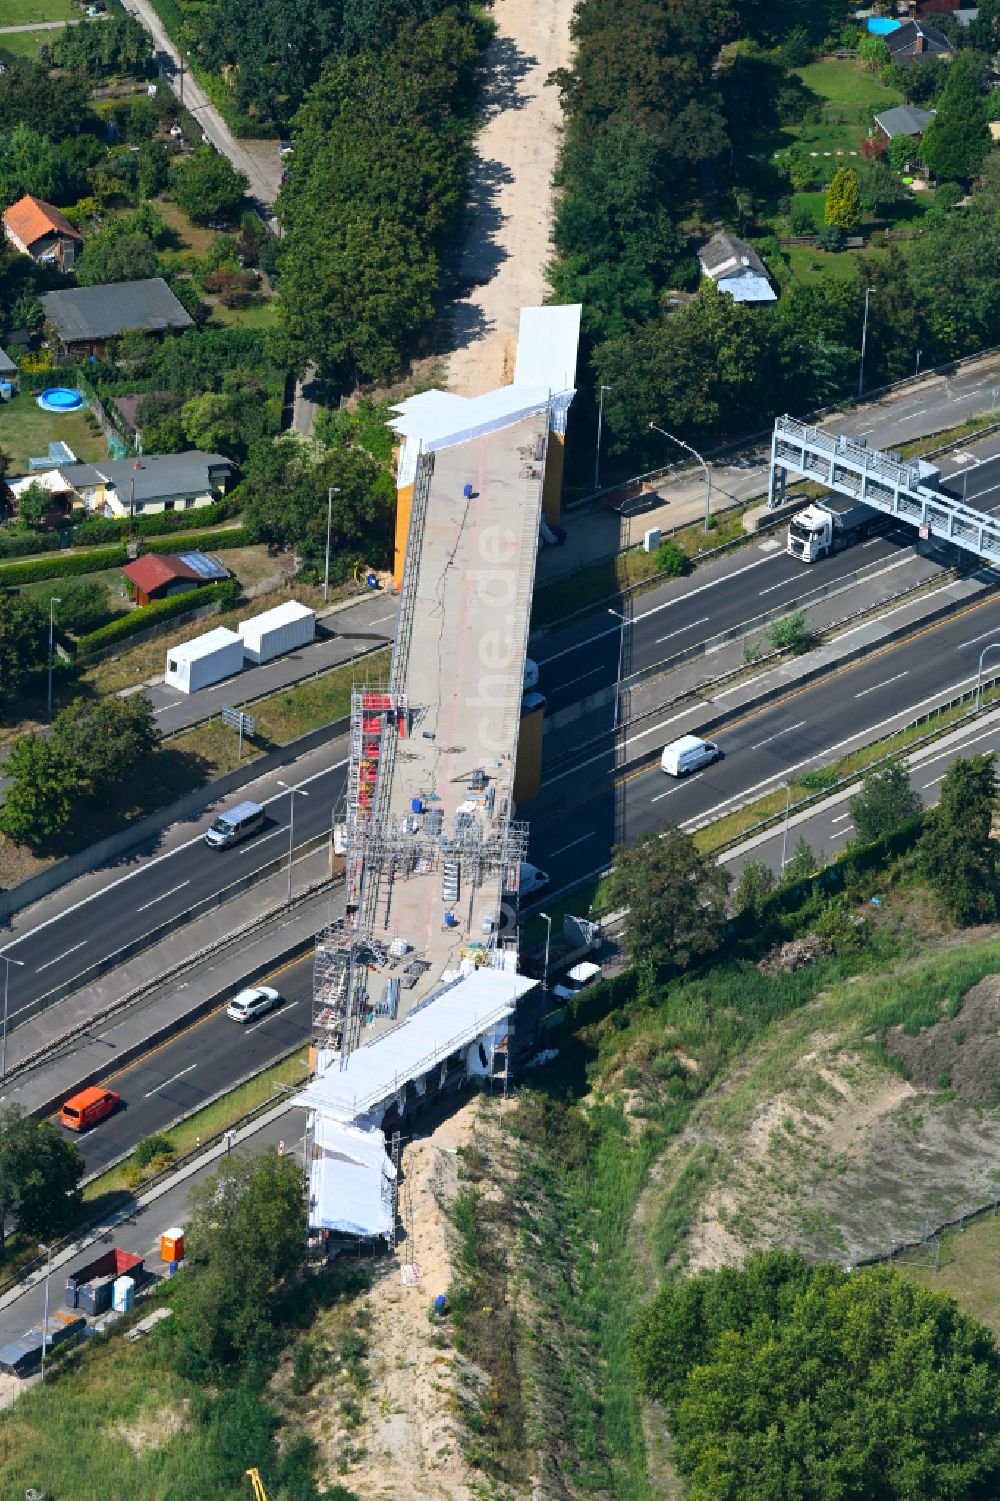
pixel 582 840
pixel 779 734
pixel 966 740
pixel 883 684
pixel 682 629
pixel 163 896
pixel 592 673
pixel 49 962
pixel 973 640
pixel 183 1071
pixel 287 1006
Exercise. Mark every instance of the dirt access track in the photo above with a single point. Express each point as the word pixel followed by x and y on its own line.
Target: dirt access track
pixel 509 203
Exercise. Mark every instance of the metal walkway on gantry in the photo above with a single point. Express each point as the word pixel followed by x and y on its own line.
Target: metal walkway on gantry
pixel 881 480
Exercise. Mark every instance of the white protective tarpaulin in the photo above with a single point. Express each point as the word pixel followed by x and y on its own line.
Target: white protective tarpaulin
pixel 350 1180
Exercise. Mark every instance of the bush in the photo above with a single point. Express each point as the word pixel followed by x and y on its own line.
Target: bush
pixel 236 536
pixel 224 594
pixel 831 237
pixel 26 544
pixel 151 1148
pixel 801 220
pixel 64 566
pixel 671 560
pixel 792 634
pixel 83 604
pixel 99 529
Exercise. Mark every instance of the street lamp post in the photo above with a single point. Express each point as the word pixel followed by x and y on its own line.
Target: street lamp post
pixel 784 834
pixel 291 826
pixel 994 393
pixel 45 1315
pixel 990 646
pixel 864 340
pixel 55 600
pixel 688 449
pixel 621 658
pixel 919 353
pixel 333 490
pixel 597 451
pixel 548 935
pixel 6 987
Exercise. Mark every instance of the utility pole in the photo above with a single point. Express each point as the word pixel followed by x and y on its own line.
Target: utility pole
pixel 597 451
pixel 864 340
pixel 333 490
pixel 55 600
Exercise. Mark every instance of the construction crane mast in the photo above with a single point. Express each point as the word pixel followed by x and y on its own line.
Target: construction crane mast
pixel 259 1493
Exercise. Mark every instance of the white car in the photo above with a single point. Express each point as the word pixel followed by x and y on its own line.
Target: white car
pixel 250 1004
pixel 176 132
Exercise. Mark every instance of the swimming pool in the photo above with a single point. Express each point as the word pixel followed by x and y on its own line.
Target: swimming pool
pixel 881 25
pixel 60 399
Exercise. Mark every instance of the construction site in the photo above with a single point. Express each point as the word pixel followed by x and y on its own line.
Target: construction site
pixel 416 989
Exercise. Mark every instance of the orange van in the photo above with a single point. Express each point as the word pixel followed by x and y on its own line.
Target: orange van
pixel 88 1107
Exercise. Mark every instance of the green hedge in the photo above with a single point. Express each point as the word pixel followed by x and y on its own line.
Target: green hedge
pixel 224 594
pixel 100 529
pixel 63 566
pixel 27 544
pixel 236 536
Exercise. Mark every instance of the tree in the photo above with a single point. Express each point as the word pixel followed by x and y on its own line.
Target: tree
pixel 843 200
pixel 34 504
pixel 83 604
pixel 212 422
pixel 26 312
pixel 756 885
pixel 107 741
pixel 955 852
pixel 901 152
pixel 792 634
pixel 38 803
pixel 22 641
pixel 873 54
pixel 880 187
pixel 801 863
pixel 886 802
pixel 675 898
pixel 245 1238
pixel 784 1379
pixel 40 1173
pixel 113 256
pixel 207 186
pixel 154 169
pixel 984 29
pixel 957 139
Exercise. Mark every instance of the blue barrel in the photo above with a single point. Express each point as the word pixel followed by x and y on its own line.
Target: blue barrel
pixel 450 920
pixel 417 805
pixel 440 1304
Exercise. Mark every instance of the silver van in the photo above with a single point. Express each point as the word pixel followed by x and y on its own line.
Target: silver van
pixel 235 824
pixel 689 753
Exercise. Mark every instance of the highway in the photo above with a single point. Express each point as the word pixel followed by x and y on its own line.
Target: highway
pixel 811 726
pixel 155 890
pixel 209 1057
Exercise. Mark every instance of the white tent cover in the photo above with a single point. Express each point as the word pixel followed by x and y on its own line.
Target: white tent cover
pixel 350 1180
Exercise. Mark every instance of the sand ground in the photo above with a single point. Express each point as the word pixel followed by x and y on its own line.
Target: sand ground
pixel 510 199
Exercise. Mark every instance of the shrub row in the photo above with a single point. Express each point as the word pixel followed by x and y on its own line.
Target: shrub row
pixel 223 594
pixel 99 529
pixel 64 565
pixel 236 536
pixel 27 544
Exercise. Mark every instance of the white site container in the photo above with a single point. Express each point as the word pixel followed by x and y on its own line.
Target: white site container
pixel 207 659
pixel 285 628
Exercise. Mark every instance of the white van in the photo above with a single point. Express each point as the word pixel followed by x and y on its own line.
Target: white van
pixel 577 979
pixel 687 754
pixel 235 824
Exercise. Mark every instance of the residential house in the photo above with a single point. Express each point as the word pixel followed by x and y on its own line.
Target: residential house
pixel 140 486
pixel 915 41
pixel 8 373
pixel 736 268
pixel 157 575
pixel 81 320
pixel 904 120
pixel 38 230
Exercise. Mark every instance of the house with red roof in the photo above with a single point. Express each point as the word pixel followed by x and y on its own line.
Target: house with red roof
pixel 38 230
pixel 156 575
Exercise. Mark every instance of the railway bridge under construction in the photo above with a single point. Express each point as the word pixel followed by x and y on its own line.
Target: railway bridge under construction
pixel 416 988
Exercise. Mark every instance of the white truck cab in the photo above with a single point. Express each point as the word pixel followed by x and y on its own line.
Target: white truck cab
pixel 689 753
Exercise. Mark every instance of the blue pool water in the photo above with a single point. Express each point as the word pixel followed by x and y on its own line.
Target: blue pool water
pixel 60 399
pixel 881 25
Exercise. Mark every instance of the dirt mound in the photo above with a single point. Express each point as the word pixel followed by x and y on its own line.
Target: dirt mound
pixel 788 957
pixel 960 1052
